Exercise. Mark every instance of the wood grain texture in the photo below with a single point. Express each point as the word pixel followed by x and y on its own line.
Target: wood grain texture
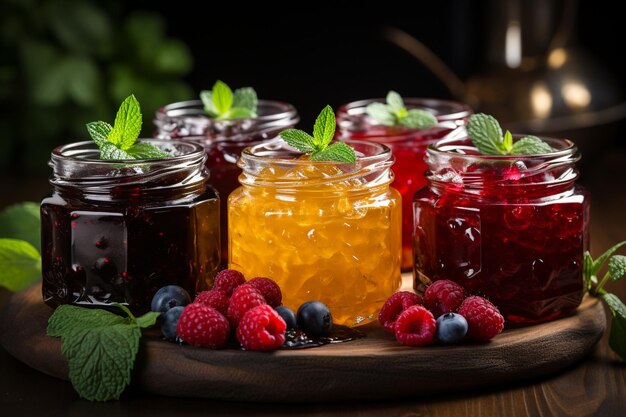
pixel 373 368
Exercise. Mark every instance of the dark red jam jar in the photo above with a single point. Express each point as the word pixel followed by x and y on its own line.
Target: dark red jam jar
pixel 511 228
pixel 408 147
pixel 117 231
pixel 224 140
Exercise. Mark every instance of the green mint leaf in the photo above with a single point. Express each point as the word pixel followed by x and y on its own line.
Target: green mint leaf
pixel 222 97
pixel 246 98
pixel 617 267
pixel 147 320
pixel 20 264
pixel 99 132
pixel 239 113
pixel 381 113
pixel 588 276
pixel 395 102
pixel 324 128
pixel 144 150
pixel 127 124
pixel 298 139
pixel 21 221
pixel 597 264
pixel 485 133
pixel 338 152
pixel 418 119
pixel 207 100
pixel 507 142
pixel 617 337
pixel 110 151
pixel 100 348
pixel 530 145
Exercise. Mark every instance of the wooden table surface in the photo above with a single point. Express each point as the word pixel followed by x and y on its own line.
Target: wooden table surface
pixel 596 386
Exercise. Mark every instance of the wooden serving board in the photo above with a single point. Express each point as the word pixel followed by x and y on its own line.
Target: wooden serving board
pixel 372 368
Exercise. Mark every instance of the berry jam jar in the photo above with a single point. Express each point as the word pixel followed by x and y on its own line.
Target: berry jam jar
pixel 224 140
pixel 511 228
pixel 115 232
pixel 322 230
pixel 408 147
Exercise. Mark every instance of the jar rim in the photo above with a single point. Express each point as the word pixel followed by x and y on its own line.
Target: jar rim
pixel 461 110
pixel 195 108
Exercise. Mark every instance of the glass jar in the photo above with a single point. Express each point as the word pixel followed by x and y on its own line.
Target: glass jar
pixel 408 147
pixel 224 140
pixel 322 230
pixel 511 228
pixel 115 232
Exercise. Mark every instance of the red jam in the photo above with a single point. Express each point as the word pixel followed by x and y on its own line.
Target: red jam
pixel 512 229
pixel 408 147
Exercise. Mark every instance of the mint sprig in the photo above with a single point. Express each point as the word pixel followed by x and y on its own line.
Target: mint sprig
pixel 486 134
pixel 118 142
pixel 318 145
pixel 394 113
pixel 616 270
pixel 222 103
pixel 100 348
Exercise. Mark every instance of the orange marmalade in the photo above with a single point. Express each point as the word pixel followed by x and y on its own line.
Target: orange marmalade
pixel 324 231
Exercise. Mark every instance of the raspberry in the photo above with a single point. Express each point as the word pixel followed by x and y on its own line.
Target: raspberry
pixel 204 326
pixel 227 280
pixel 394 306
pixel 214 298
pixel 244 298
pixel 484 319
pixel 268 289
pixel 443 296
pixel 416 326
pixel 261 328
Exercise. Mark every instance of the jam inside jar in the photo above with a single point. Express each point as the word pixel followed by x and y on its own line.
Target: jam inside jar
pixel 224 140
pixel 117 231
pixel 322 230
pixel 408 147
pixel 511 228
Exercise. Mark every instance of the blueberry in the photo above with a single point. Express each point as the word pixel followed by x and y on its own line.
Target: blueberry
pixel 451 328
pixel 314 318
pixel 287 315
pixel 170 320
pixel 168 297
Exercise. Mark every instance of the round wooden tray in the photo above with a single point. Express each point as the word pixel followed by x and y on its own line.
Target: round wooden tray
pixel 372 368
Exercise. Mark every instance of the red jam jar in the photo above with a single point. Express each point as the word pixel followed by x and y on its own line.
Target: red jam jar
pixel 408 147
pixel 117 231
pixel 224 140
pixel 510 228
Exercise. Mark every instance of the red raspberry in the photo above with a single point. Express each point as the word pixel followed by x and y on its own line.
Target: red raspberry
pixel 227 280
pixel 261 328
pixel 443 296
pixel 244 298
pixel 268 289
pixel 204 326
pixel 394 306
pixel 416 326
pixel 483 318
pixel 214 298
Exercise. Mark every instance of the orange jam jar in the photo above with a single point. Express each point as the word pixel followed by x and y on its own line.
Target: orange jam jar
pixel 322 230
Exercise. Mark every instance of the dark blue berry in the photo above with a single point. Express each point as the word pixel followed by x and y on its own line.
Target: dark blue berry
pixel 451 328
pixel 170 320
pixel 287 315
pixel 314 319
pixel 168 297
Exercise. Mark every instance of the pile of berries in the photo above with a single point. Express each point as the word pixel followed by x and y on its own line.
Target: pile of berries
pixel 444 314
pixel 251 310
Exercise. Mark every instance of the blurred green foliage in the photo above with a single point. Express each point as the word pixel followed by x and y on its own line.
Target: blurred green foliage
pixel 67 62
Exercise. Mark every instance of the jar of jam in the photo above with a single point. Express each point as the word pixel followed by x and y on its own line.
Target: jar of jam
pixel 511 228
pixel 224 140
pixel 408 147
pixel 322 230
pixel 117 231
